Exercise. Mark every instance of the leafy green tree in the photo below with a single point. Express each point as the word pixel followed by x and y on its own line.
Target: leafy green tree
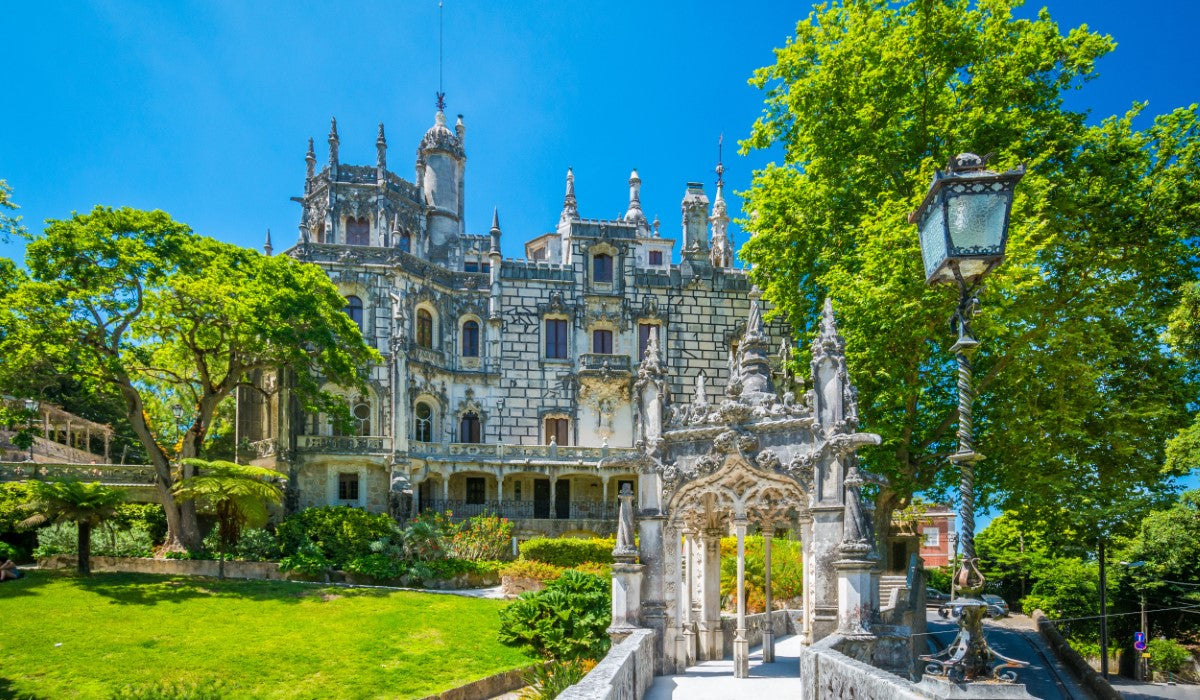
pixel 1010 557
pixel 9 225
pixel 1183 334
pixel 1076 393
pixel 1068 590
pixel 72 501
pixel 1167 656
pixel 237 494
pixel 137 304
pixel 1166 571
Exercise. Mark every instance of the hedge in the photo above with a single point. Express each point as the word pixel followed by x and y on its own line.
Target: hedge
pixel 566 552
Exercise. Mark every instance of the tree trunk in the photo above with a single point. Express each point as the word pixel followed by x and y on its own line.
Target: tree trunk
pixel 84 546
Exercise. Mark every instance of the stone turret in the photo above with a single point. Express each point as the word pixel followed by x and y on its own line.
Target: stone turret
pixel 754 348
pixel 695 220
pixel 441 165
pixel 570 209
pixel 634 214
pixel 381 156
pixel 267 247
pixel 310 167
pixel 334 141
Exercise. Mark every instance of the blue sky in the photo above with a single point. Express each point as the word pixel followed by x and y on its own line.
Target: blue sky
pixel 203 109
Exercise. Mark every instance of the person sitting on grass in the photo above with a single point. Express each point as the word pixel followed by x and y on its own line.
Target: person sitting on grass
pixel 9 571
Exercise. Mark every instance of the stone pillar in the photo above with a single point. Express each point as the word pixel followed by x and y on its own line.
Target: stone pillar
pixel 687 616
pixel 741 646
pixel 822 594
pixel 674 659
pixel 768 643
pixel 711 637
pixel 445 490
pixel 500 491
pixel 553 490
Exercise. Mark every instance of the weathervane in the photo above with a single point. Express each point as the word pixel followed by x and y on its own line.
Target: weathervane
pixel 720 167
pixel 441 95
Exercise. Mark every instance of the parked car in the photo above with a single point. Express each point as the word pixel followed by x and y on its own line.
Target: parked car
pixel 935 597
pixel 996 607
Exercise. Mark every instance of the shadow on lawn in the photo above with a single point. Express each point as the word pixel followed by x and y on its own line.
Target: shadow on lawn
pixel 6 691
pixel 150 589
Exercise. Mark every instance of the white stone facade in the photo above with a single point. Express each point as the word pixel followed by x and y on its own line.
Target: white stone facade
pixel 505 381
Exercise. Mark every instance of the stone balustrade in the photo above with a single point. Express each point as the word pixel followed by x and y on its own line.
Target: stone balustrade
pixel 525 510
pixel 344 444
pixel 625 673
pixel 602 362
pixel 560 453
pixel 109 474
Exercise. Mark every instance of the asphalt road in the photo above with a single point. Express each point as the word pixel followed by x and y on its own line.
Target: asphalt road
pixel 1044 678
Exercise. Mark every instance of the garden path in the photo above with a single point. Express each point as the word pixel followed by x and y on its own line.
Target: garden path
pixel 713 680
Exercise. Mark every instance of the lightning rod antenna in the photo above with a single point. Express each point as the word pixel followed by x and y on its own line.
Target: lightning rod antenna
pixel 720 166
pixel 441 94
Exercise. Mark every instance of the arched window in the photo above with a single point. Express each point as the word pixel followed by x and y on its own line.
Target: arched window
pixel 354 309
pixel 423 423
pixel 319 233
pixel 468 428
pixel 360 413
pixel 406 242
pixel 358 231
pixel 470 339
pixel 424 328
pixel 602 268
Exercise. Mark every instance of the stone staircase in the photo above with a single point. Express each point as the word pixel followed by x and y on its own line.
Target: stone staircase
pixel 889 585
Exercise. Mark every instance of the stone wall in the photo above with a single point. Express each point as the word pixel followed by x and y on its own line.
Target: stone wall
pixel 171 567
pixel 786 622
pixel 626 673
pixel 827 674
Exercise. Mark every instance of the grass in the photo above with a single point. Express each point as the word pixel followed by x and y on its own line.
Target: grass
pixel 66 636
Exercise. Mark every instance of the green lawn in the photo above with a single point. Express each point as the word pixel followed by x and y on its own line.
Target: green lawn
pixel 62 636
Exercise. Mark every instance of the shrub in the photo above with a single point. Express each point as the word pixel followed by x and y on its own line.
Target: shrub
pixel 378 566
pixel 1167 655
pixel 106 541
pixel 568 552
pixel 149 516
pixel 483 536
pixel 309 560
pixel 254 544
pixel 939 578
pixel 548 681
pixel 787 579
pixel 566 621
pixel 527 568
pixel 339 534
pixel 601 570
pixel 7 551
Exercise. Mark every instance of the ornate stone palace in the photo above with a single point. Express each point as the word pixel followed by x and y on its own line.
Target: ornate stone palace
pixel 507 384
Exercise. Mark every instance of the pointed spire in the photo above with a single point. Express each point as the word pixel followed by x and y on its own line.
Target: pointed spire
pixel 310 160
pixel 460 130
pixel 634 215
pixel 496 219
pixel 721 248
pixel 495 233
pixel 656 224
pixel 570 208
pixel 333 142
pixel 381 150
pixel 652 360
pixel 267 247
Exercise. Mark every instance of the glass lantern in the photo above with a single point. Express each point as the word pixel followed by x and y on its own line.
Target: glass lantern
pixel 963 222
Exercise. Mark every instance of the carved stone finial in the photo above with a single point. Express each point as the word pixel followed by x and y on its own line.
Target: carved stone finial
pixel 267 247
pixel 755 368
pixel 836 399
pixel 381 150
pixel 634 215
pixel 570 208
pixel 310 160
pixel 333 142
pixel 700 398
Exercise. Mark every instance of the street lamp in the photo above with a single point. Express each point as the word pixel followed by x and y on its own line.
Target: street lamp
pixel 963 228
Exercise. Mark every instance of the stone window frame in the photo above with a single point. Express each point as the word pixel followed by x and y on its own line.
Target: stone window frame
pixel 614 333
pixel 662 258
pixel 462 424
pixel 350 308
pixel 428 308
pixel 324 422
pixel 357 221
pixel 462 330
pixel 566 356
pixel 556 414
pixel 593 252
pixel 335 473
pixel 433 420
pixel 931 537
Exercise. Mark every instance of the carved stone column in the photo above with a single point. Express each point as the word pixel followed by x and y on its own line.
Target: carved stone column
pixel 711 637
pixel 768 643
pixel 741 646
pixel 689 599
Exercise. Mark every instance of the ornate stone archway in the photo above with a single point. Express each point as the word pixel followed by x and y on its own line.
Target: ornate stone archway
pixel 756 458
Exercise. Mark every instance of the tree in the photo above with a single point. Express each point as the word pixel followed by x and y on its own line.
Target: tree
pixel 9 225
pixel 1183 335
pixel 72 501
pixel 237 494
pixel 137 304
pixel 1076 393
pixel 1166 550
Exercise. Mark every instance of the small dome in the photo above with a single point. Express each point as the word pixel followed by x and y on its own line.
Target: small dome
pixel 441 138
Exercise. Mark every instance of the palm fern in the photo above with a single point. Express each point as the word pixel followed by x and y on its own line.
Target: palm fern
pixel 71 500
pixel 238 494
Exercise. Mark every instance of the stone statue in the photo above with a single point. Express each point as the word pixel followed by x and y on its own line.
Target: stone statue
pixel 701 396
pixel 625 548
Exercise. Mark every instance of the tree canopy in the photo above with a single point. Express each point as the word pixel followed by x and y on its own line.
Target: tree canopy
pixel 137 304
pixel 72 501
pixel 1077 394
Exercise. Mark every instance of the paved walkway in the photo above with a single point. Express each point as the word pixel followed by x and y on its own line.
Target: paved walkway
pixel 713 680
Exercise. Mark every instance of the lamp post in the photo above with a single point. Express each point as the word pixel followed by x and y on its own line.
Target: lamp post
pixel 963 228
pixel 32 405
